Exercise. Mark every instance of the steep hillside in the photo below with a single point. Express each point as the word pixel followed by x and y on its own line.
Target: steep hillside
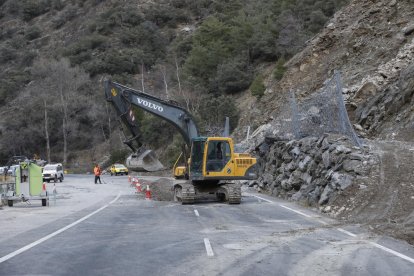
pixel 371 43
pixel 201 54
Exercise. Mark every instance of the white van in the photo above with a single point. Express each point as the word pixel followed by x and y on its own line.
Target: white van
pixel 12 170
pixel 2 169
pixel 53 172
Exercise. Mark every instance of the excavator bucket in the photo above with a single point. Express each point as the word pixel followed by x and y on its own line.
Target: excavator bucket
pixel 144 162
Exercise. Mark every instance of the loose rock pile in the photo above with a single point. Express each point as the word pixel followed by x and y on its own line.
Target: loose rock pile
pixel 313 169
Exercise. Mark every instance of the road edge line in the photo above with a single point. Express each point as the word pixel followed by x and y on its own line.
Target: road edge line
pixel 295 211
pixel 57 232
pixel 395 253
pixel 386 249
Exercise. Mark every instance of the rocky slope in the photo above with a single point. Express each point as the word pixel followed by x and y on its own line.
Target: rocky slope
pixel 372 44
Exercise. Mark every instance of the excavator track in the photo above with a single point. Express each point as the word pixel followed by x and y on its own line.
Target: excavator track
pixel 185 192
pixel 228 192
pixel 232 192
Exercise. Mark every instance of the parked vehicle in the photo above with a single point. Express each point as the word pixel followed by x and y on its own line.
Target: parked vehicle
pixel 53 172
pixel 2 169
pixel 118 169
pixel 25 184
pixel 12 170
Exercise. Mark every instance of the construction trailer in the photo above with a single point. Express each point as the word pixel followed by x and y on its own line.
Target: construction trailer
pixel 25 184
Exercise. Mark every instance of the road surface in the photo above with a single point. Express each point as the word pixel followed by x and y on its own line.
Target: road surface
pixel 109 230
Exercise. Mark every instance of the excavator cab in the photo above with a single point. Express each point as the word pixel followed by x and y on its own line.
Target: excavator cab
pixel 213 158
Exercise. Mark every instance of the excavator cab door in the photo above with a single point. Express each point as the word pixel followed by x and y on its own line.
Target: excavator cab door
pixel 218 155
pixel 197 155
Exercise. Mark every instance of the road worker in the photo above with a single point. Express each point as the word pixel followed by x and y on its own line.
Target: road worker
pixel 97 171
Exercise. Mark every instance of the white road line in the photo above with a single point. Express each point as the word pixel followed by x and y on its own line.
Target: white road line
pixel 345 232
pixel 296 211
pixel 283 206
pixel 402 256
pixel 116 198
pixel 264 199
pixel 209 250
pixel 33 244
pixel 386 249
pixel 196 213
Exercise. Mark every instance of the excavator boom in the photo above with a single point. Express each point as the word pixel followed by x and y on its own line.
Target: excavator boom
pixel 123 97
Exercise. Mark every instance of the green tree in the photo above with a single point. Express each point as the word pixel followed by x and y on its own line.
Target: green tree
pixel 257 87
pixel 213 111
pixel 280 69
pixel 233 76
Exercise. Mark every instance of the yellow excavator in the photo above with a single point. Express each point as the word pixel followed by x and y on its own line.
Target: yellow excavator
pixel 212 166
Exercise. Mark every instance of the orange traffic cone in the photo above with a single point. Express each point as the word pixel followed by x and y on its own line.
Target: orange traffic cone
pixel 148 193
pixel 44 192
pixel 138 186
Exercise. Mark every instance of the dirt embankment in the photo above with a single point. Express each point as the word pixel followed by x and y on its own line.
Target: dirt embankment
pixel 386 202
pixel 161 188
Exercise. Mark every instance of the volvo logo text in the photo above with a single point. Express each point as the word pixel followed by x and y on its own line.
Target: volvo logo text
pixel 150 105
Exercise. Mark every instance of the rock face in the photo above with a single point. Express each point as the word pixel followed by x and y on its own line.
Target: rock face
pixel 312 169
pixel 390 112
pixel 372 44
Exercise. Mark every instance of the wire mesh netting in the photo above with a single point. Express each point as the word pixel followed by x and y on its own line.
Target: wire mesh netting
pixel 322 112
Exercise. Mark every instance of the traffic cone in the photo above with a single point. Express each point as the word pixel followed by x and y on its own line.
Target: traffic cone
pixel 138 186
pixel 134 182
pixel 44 192
pixel 148 193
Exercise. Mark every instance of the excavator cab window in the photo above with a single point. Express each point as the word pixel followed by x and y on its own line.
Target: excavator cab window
pixel 197 152
pixel 218 155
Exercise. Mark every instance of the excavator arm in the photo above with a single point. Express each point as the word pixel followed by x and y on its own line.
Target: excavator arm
pixel 123 98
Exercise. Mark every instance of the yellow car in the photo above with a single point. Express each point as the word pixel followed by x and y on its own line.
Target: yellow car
pixel 118 169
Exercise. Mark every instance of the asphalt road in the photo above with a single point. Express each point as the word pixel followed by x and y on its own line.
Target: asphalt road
pixel 124 234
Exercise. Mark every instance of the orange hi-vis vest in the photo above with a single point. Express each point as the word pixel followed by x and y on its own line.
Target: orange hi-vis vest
pixel 97 171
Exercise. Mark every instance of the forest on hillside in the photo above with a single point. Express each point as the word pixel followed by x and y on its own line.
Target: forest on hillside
pixel 54 55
